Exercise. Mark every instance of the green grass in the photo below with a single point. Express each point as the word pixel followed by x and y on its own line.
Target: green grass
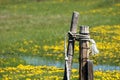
pixel 46 22
pixel 35 28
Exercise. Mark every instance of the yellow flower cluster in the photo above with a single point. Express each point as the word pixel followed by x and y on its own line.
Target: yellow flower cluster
pixel 54 48
pixel 30 73
pixel 107 36
pixel 25 46
pixel 118 4
pixel 104 11
pixel 49 73
pixel 107 75
pixel 57 48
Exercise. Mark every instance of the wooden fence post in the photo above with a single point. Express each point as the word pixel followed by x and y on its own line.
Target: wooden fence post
pixel 84 63
pixel 70 49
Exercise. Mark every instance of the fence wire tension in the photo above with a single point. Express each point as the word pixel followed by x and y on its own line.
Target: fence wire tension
pixel 83 37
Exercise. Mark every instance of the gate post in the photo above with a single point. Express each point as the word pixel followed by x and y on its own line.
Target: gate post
pixel 84 53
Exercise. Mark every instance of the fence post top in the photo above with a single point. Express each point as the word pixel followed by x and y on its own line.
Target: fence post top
pixel 84 29
pixel 75 12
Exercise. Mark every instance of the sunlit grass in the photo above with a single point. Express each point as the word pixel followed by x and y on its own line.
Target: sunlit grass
pixel 38 29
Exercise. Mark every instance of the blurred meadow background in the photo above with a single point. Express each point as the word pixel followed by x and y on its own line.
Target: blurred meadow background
pixel 32 38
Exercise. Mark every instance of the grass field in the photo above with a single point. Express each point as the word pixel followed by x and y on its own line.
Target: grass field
pixel 37 28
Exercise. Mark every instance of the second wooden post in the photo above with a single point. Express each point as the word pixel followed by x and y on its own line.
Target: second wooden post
pixel 83 53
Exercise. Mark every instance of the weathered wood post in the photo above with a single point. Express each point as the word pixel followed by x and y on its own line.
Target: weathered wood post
pixel 84 63
pixel 70 49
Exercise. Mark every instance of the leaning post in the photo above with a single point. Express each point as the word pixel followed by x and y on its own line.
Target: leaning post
pixel 70 49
